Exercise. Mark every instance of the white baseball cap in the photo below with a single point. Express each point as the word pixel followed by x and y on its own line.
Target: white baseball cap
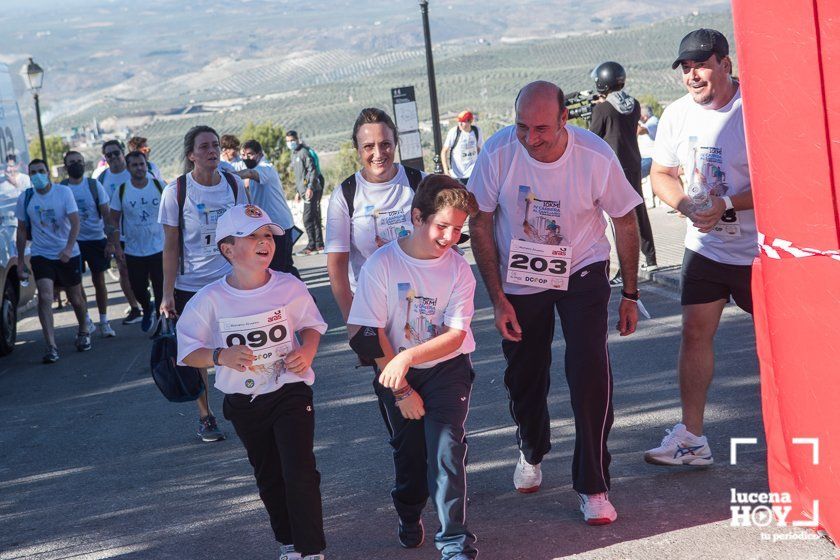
pixel 243 220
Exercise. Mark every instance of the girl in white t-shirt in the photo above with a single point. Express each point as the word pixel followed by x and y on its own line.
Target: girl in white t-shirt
pixel 381 204
pixel 411 314
pixel 191 258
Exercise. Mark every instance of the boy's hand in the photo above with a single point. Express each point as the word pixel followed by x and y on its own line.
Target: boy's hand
pixel 299 361
pixel 238 357
pixel 411 407
pixel 394 373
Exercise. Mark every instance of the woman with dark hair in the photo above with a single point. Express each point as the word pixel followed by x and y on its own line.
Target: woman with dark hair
pixel 190 206
pixel 372 206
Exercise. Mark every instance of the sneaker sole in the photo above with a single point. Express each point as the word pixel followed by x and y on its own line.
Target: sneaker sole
pixel 691 462
pixel 133 321
pixel 210 439
pixel 598 521
pixel 529 490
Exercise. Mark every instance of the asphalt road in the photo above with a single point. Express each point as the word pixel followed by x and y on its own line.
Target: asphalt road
pixel 96 464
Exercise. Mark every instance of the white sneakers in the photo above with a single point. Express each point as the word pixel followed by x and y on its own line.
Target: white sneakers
pixel 681 447
pixel 527 477
pixel 597 509
pixel 287 552
pixel 106 330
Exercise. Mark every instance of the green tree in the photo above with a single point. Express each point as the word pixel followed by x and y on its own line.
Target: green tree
pixel 648 99
pixel 342 166
pixel 272 139
pixel 56 147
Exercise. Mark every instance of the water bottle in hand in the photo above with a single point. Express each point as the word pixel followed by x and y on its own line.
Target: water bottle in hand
pixel 24 278
pixel 700 199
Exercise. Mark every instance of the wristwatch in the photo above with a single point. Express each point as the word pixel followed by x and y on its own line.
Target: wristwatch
pixel 216 353
pixel 728 201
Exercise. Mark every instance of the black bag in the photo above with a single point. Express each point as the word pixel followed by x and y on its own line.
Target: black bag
pixel 177 383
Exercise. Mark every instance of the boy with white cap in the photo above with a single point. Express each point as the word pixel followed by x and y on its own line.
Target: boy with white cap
pixel 261 330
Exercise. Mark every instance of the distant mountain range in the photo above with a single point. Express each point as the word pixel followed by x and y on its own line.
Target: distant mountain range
pixel 313 66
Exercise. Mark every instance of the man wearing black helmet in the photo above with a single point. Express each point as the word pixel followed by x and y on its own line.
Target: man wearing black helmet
pixel 615 119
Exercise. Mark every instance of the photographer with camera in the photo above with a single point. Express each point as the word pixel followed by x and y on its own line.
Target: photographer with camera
pixel 615 118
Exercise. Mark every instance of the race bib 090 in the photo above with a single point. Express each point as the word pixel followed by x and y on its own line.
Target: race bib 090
pixel 268 335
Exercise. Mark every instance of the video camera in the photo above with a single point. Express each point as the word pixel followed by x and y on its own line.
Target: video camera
pixel 580 104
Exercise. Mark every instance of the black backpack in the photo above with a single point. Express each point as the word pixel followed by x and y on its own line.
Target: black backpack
pixel 177 383
pixel 348 186
pixel 473 130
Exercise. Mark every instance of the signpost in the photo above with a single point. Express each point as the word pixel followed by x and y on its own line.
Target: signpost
pixel 408 125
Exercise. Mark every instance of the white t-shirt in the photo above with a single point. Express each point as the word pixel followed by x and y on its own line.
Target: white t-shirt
pixel 412 299
pixel 463 156
pixel 140 229
pixel 112 180
pixel 48 215
pixel 203 263
pixel 646 141
pixel 91 227
pixel 721 164
pixel 267 193
pixel 559 203
pixel 266 319
pixel 232 166
pixel 380 211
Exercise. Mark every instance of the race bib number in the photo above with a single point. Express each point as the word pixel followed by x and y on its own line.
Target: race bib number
pixel 539 266
pixel 208 240
pixel 729 225
pixel 268 334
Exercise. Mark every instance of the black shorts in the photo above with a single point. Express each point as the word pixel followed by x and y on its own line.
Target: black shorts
pixel 65 275
pixel 93 253
pixel 181 299
pixel 705 281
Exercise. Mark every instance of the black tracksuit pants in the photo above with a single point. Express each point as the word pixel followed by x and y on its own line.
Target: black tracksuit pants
pixel 312 220
pixel 583 316
pixel 278 431
pixel 430 453
pixel 634 176
pixel 142 270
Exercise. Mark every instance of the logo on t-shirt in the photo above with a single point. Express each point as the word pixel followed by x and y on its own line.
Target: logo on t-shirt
pixel 540 218
pixel 708 170
pixel 419 313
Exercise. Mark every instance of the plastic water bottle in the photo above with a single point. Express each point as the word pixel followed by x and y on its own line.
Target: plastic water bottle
pixel 24 280
pixel 697 192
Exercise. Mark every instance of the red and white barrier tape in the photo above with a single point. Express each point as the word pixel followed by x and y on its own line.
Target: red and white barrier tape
pixel 776 248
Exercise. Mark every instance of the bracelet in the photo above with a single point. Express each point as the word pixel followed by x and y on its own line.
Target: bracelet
pixel 404 395
pixel 216 354
pixel 401 391
pixel 630 296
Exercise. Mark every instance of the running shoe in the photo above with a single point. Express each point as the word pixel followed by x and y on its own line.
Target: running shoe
pixel 51 356
pixel 83 342
pixel 208 430
pixel 148 319
pixel 106 330
pixel 134 316
pixel 597 509
pixel 287 552
pixel 319 249
pixel 411 535
pixel 91 326
pixel 681 447
pixel 527 477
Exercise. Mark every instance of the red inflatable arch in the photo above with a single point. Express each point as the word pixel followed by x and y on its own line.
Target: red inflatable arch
pixel 788 58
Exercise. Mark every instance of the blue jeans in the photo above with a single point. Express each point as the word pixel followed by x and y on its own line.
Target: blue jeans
pixel 646 163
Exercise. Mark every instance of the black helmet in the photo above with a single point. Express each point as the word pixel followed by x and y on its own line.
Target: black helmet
pixel 609 76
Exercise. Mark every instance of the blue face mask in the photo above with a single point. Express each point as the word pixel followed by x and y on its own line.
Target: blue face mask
pixel 40 181
pixel 292 145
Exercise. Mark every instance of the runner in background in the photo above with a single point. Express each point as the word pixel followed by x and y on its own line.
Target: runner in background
pixel 140 144
pixel 92 202
pixel 134 210
pixel 112 177
pixel 191 257
pixel 461 148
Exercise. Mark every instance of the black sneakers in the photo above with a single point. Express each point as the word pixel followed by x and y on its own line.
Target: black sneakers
pixel 134 316
pixel 411 535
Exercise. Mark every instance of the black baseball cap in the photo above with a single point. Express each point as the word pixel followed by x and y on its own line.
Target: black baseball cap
pixel 700 44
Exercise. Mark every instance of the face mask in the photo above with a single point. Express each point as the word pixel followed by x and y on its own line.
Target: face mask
pixel 39 181
pixel 292 145
pixel 76 170
pixel 250 163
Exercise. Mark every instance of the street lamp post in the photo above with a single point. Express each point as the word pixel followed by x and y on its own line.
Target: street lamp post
pixel 430 70
pixel 35 77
